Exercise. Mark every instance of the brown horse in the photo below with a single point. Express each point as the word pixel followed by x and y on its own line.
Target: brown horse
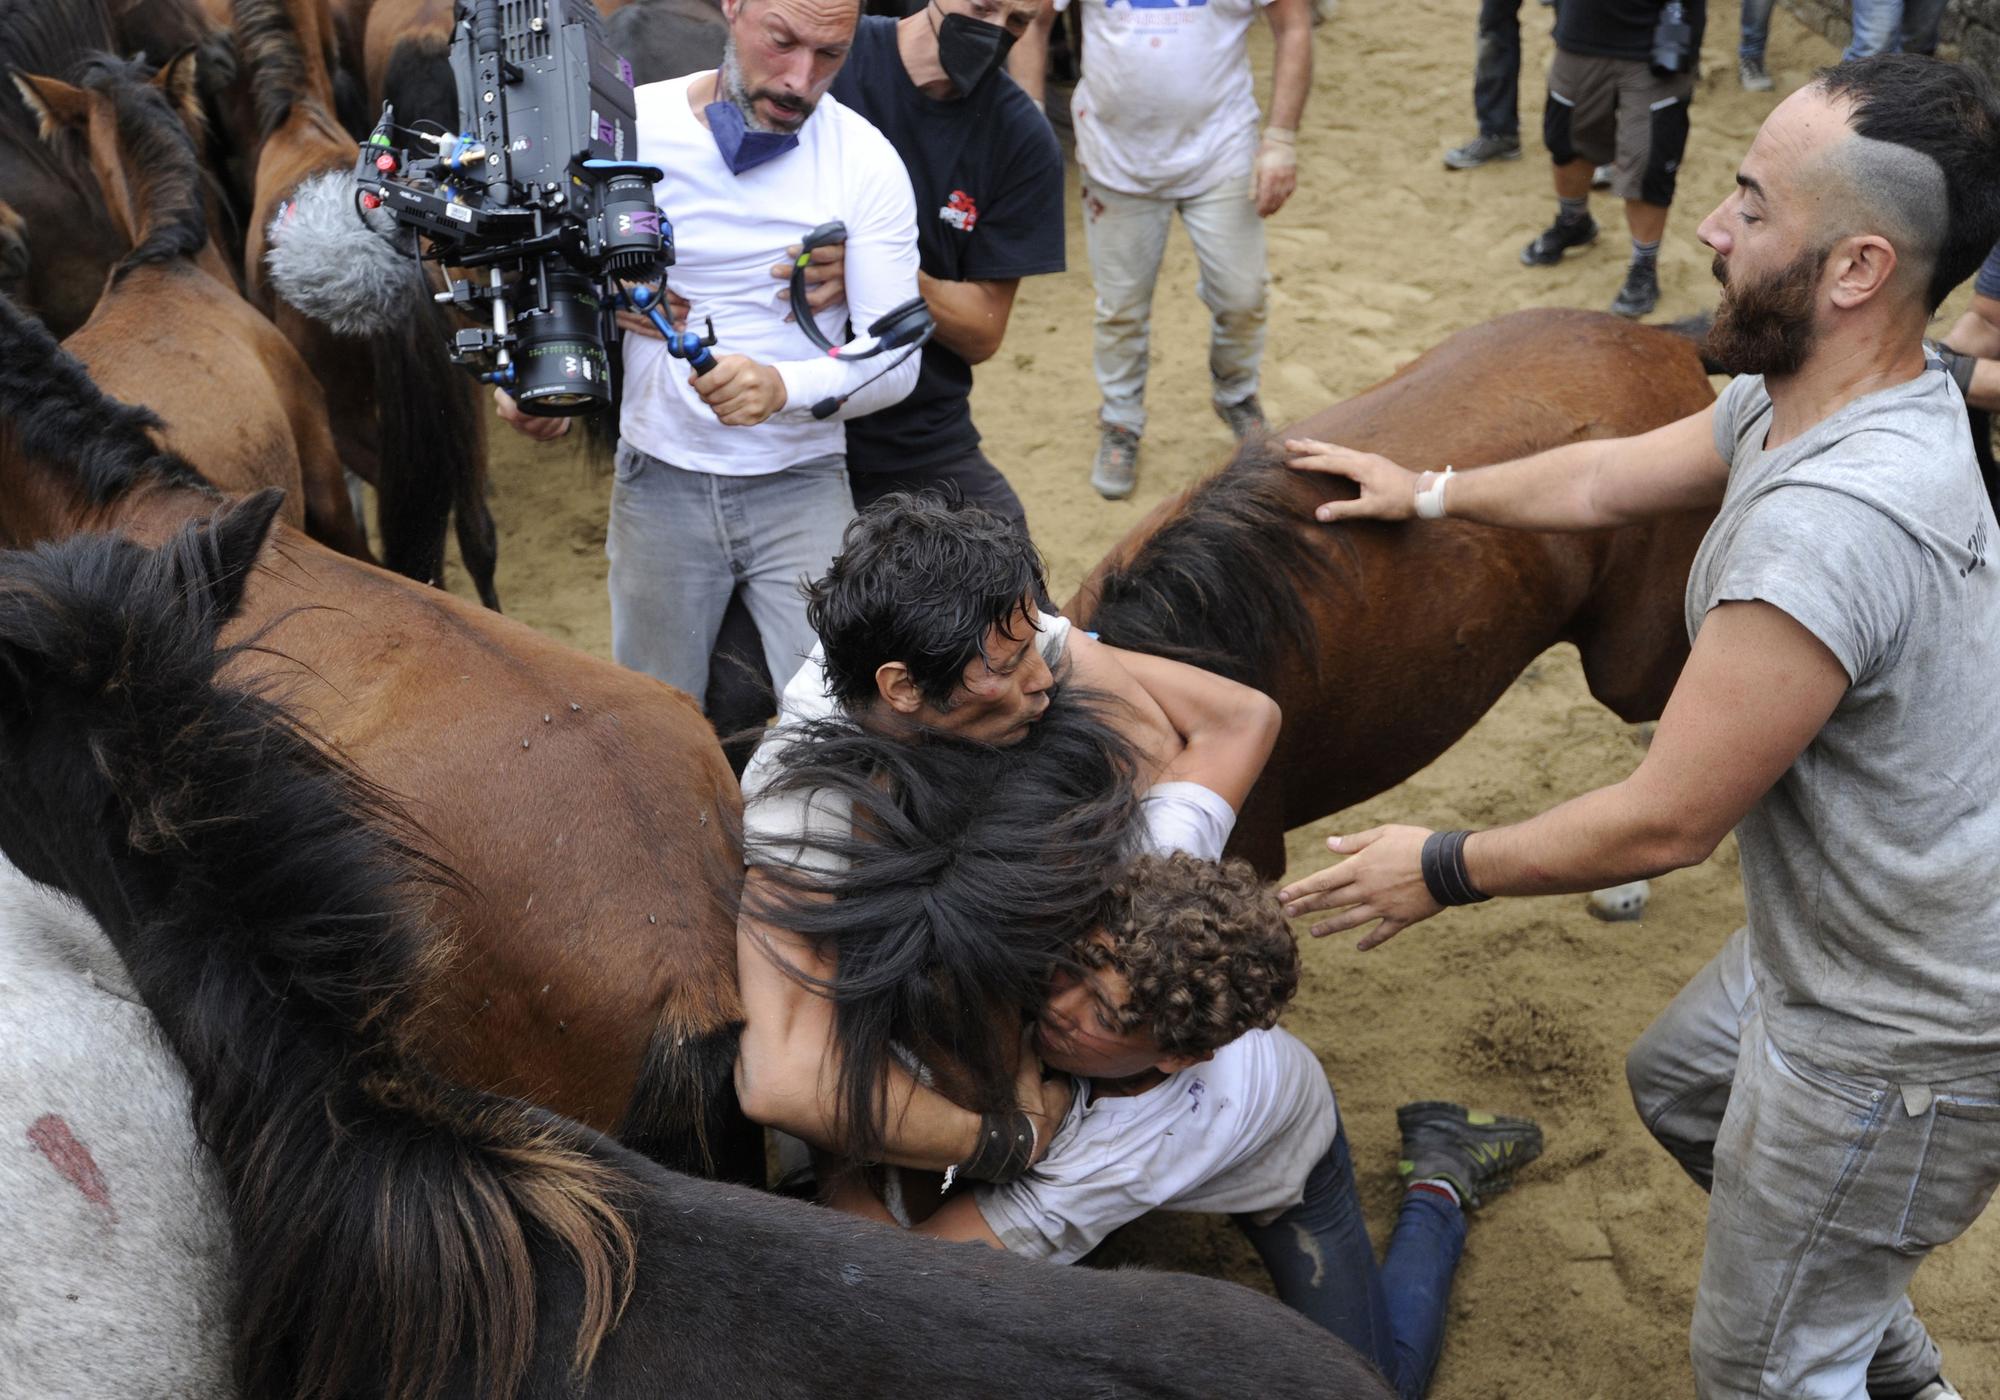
pixel 588 808
pixel 171 332
pixel 62 242
pixel 1384 643
pixel 404 416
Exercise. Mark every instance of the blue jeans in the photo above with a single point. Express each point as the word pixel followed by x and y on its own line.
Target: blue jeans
pixel 1320 1258
pixel 1894 26
pixel 1496 74
pixel 1756 29
pixel 682 543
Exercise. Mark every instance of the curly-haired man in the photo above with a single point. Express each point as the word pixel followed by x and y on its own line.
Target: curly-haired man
pixel 1189 1098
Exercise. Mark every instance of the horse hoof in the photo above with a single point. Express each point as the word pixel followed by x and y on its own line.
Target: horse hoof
pixel 1621 903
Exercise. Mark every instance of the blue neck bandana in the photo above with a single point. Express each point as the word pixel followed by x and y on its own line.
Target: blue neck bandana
pixel 743 149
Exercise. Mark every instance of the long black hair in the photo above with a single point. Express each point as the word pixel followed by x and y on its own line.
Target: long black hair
pixel 947 878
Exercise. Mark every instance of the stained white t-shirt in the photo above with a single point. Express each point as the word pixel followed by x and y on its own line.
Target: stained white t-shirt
pixel 1165 107
pixel 1236 1135
pixel 729 231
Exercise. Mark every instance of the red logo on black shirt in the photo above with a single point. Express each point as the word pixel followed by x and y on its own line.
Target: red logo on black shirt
pixel 960 212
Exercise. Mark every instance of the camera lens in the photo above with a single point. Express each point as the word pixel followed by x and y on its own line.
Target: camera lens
pixel 634 235
pixel 559 362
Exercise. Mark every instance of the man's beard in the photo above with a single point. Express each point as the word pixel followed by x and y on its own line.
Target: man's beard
pixel 1767 327
pixel 737 92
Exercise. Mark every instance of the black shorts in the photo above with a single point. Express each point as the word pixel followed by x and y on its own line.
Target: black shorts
pixel 1619 112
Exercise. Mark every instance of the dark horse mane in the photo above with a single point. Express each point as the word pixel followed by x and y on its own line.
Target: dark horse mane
pixel 161 148
pixel 962 883
pixel 262 894
pixel 1219 584
pixel 273 50
pixel 48 37
pixel 54 412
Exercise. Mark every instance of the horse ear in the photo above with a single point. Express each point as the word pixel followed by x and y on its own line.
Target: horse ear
pixel 178 78
pixel 55 103
pixel 227 550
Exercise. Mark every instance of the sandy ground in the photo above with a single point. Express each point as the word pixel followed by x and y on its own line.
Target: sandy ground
pixel 1580 1283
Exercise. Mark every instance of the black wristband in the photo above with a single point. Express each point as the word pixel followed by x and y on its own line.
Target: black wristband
pixel 1443 865
pixel 1005 1151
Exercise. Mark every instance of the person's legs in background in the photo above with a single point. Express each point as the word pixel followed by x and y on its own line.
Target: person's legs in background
pixel 1126 236
pixel 1878 28
pixel 1579 131
pixel 1652 136
pixel 1496 88
pixel 670 573
pixel 1921 21
pixel 1228 238
pixel 1752 37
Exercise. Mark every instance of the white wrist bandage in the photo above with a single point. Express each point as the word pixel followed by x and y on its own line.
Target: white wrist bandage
pixel 1430 494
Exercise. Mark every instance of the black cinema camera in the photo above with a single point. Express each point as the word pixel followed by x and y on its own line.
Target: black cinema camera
pixel 538 189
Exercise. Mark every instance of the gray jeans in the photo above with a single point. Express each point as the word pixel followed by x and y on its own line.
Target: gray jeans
pixel 681 543
pixel 1126 235
pixel 1826 1192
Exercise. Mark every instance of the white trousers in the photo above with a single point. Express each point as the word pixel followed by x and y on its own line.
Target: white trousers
pixel 1127 236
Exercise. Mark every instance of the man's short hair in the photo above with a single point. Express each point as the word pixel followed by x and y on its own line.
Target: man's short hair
pixel 921 581
pixel 1946 113
pixel 1203 946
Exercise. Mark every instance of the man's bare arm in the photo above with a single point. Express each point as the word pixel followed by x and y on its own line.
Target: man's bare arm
pixel 1227 729
pixel 1757 687
pixel 971 316
pixel 1579 486
pixel 1028 60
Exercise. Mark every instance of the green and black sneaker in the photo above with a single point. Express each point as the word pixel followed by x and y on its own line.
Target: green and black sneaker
pixel 1478 1153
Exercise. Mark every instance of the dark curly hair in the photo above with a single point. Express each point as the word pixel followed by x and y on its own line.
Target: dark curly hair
pixel 1204 947
pixel 920 581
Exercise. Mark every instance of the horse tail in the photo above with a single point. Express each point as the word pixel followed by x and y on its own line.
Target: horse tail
pixel 431 446
pixel 56 413
pixel 683 1112
pixel 1695 329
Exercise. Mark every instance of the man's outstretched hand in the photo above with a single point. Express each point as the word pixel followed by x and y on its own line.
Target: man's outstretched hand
pixel 527 424
pixel 1382 878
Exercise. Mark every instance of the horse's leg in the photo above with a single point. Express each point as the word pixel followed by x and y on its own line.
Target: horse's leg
pixel 330 514
pixel 1259 836
pixel 472 518
pixel 1632 634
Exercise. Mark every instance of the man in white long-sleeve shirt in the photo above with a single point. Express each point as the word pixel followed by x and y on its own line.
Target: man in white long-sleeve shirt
pixel 726 480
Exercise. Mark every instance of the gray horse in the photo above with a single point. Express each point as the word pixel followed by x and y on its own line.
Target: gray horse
pixel 115 1268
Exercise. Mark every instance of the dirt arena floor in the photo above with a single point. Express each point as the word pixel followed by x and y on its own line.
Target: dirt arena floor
pixel 1580 1282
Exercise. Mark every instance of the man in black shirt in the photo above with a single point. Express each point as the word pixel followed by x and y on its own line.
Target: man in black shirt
pixel 988 176
pixel 1617 96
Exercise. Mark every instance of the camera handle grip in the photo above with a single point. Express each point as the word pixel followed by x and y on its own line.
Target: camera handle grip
pixel 691 346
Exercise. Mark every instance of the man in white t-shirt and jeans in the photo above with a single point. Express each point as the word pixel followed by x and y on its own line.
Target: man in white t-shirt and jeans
pixel 1166 121
pixel 727 480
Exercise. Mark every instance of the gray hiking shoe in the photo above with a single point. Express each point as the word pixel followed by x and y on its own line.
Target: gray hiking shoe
pixel 1478 1153
pixel 1245 419
pixel 1939 1389
pixel 1639 295
pixel 1750 72
pixel 1117 469
pixel 1481 149
pixel 1558 238
pixel 1600 178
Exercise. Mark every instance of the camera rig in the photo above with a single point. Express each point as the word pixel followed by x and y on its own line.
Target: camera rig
pixel 538 190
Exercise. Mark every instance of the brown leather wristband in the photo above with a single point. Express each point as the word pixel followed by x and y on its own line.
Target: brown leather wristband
pixel 1006 1149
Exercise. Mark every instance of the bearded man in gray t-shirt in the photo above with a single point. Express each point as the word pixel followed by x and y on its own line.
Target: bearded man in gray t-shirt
pixel 1833 1077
